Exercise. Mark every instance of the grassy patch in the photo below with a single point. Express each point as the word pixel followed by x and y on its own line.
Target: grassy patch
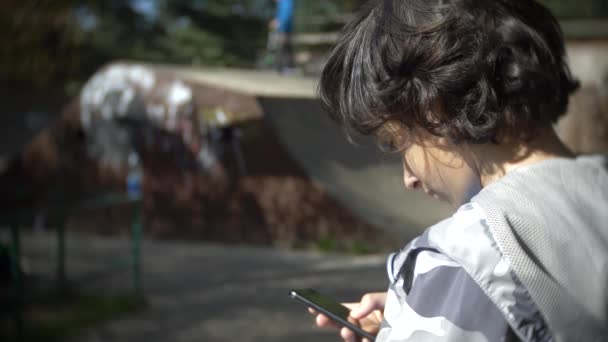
pixel 326 245
pixel 64 315
pixel 361 248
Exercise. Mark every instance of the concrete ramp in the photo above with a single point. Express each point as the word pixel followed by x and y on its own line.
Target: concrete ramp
pixel 359 176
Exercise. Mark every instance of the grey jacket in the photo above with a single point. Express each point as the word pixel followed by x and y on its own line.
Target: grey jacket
pixel 550 221
pixel 526 259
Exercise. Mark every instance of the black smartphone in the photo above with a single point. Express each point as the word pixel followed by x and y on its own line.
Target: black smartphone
pixel 330 308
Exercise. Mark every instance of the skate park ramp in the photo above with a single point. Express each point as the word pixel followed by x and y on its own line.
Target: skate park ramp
pixel 359 176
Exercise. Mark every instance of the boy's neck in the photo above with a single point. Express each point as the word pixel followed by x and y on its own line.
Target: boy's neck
pixel 495 161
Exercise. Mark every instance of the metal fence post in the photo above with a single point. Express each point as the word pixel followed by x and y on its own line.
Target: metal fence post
pixel 61 274
pixel 136 227
pixel 15 253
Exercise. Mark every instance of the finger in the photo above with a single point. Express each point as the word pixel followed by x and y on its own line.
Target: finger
pixel 320 319
pixel 348 335
pixel 324 322
pixel 368 304
pixel 351 305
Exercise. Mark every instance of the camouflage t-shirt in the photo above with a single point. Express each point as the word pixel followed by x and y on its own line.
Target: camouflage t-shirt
pixel 453 284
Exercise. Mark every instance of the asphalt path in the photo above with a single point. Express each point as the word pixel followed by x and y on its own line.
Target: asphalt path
pixel 209 292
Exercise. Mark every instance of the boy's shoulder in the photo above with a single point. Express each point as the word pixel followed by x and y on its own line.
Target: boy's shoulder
pixel 467 239
pixel 465 227
pixel 454 237
pixel 464 244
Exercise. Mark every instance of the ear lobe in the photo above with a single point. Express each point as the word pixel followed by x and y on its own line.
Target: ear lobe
pixel 411 182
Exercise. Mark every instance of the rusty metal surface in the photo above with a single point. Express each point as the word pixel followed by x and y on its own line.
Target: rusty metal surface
pixel 275 203
pixel 217 105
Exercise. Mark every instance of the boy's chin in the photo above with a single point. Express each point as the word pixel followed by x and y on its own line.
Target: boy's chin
pixel 437 196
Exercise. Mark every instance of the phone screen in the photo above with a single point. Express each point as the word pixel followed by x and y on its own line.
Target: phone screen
pixel 330 308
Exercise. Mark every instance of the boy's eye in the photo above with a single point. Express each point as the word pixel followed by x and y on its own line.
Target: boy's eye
pixel 393 137
pixel 388 145
pixel 394 145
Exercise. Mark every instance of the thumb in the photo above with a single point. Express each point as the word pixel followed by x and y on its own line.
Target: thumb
pixel 369 303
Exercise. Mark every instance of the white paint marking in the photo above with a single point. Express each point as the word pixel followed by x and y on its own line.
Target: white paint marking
pixel 126 97
pixel 179 93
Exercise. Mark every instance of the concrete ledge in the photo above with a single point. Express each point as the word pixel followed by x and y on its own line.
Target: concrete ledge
pixel 252 82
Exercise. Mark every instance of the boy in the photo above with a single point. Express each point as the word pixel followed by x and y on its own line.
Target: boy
pixel 467 92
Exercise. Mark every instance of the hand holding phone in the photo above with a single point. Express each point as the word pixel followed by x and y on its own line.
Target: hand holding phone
pixel 330 308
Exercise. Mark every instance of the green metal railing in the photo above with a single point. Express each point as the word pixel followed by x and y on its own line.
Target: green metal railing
pixel 14 219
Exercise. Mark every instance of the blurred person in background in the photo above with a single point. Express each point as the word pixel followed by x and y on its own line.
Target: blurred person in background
pixel 467 93
pixel 281 28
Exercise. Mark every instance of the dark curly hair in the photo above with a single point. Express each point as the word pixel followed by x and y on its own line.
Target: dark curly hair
pixel 470 70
